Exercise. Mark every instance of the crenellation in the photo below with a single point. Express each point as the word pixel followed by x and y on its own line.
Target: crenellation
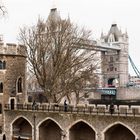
pixel 99 123
pixel 12 49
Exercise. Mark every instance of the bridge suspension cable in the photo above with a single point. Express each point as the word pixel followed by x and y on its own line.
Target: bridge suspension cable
pixel 134 66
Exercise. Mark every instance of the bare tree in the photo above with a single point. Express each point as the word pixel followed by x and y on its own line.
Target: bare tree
pixel 58 59
pixel 3 10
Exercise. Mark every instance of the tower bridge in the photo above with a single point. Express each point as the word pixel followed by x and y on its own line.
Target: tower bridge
pixel 113 49
pixel 99 46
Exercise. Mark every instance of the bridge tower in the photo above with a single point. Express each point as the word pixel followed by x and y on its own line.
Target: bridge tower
pixel 115 63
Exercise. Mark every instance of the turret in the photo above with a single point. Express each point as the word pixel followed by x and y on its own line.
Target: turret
pixel 12 73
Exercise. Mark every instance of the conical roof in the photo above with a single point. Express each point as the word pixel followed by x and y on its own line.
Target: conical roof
pixel 115 32
pixel 54 14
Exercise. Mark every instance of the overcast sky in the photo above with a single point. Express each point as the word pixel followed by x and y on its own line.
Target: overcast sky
pixel 97 15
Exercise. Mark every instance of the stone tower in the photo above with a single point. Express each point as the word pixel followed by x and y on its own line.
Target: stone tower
pixel 12 74
pixel 115 62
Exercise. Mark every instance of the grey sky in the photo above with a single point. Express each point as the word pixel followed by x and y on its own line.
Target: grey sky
pixel 96 15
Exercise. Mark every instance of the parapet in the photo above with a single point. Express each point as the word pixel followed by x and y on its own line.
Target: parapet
pixel 12 49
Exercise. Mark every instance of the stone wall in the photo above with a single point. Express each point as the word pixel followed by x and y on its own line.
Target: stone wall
pixel 99 123
pixel 129 93
pixel 16 67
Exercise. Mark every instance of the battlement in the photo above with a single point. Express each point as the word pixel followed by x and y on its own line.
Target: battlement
pixel 92 109
pixel 12 49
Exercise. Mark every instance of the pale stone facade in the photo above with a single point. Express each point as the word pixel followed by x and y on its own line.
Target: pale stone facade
pixel 115 63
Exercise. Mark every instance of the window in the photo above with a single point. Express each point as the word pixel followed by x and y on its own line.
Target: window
pixel 111 68
pixel 2 65
pixel 19 85
pixel 1 87
pixel 111 38
pixel 30 99
pixel 12 103
pixel 111 59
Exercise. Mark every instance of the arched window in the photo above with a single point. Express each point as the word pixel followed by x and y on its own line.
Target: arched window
pixel 1 87
pixel 1 65
pixel 19 85
pixel 4 65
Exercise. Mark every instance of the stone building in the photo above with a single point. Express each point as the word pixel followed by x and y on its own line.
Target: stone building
pixel 12 76
pixel 115 63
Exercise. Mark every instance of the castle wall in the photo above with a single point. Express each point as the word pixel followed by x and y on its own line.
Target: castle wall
pixel 99 123
pixel 12 68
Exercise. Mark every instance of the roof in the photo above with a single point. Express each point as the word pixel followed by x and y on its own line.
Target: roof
pixel 54 14
pixel 115 32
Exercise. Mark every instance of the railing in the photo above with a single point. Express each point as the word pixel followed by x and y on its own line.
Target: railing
pixel 95 109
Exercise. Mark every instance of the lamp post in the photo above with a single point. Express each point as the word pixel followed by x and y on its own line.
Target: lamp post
pixel 34 117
